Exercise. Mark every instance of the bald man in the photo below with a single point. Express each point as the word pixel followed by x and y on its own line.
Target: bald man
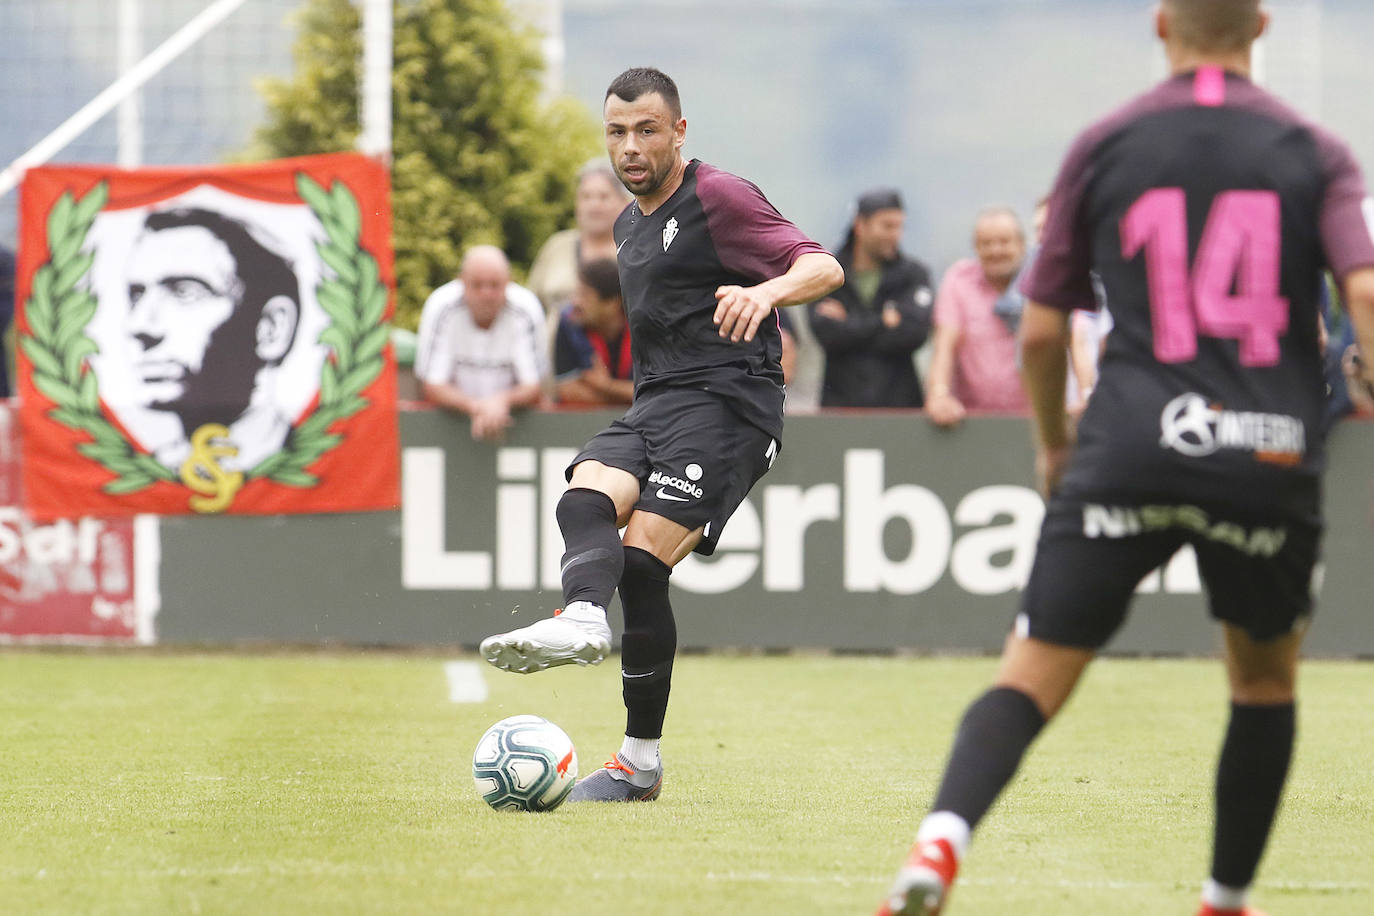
pixel 481 347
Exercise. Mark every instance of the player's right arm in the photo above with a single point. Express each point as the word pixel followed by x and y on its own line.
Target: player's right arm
pixel 1044 370
pixel 740 309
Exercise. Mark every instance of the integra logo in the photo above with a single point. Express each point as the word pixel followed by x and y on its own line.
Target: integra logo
pixel 677 483
pixel 1191 426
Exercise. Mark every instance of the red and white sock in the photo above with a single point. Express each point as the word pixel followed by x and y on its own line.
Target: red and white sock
pixel 1221 897
pixel 947 826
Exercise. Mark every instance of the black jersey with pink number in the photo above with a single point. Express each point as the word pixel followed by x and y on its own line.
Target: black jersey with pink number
pixel 716 230
pixel 1208 211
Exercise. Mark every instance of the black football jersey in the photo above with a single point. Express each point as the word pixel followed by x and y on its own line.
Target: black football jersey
pixel 1207 210
pixel 716 230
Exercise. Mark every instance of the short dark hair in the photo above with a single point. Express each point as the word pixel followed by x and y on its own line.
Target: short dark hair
pixel 602 275
pixel 638 81
pixel 262 273
pixel 1216 26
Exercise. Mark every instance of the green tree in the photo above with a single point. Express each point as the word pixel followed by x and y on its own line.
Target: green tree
pixel 477 156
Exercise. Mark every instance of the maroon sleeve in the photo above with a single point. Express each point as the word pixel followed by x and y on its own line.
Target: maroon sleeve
pixel 1347 211
pixel 751 237
pixel 1060 275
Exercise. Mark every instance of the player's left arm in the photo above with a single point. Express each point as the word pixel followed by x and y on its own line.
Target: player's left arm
pixel 740 309
pixel 1044 369
pixel 1358 288
pixel 1346 223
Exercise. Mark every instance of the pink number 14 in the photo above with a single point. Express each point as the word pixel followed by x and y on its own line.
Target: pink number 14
pixel 1239 250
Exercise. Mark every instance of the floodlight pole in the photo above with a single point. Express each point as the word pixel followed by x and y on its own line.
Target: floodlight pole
pixel 375 97
pixel 129 49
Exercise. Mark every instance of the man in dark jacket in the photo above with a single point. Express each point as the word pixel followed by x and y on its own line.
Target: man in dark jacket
pixel 872 325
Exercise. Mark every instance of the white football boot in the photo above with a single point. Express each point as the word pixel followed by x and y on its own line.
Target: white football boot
pixel 567 638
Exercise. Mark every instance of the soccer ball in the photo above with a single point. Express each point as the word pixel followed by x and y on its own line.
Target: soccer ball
pixel 524 763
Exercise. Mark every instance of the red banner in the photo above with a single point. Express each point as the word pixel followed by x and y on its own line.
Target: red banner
pixel 208 340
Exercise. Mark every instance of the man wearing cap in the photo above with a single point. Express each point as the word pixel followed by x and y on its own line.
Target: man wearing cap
pixel 872 325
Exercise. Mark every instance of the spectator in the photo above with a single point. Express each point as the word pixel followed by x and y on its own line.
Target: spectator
pixel 600 198
pixel 977 313
pixel 7 287
pixel 871 327
pixel 591 351
pixel 481 346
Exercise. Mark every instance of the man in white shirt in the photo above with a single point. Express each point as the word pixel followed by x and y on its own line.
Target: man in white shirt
pixel 481 345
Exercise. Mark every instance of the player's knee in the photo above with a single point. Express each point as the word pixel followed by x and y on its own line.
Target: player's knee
pixel 642 567
pixel 579 507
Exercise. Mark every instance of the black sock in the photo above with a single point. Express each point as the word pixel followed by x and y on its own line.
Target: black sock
pixel 648 644
pixel 593 559
pixel 1250 777
pixel 992 739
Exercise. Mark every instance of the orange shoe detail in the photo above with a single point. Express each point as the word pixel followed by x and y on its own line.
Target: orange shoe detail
pixel 936 855
pixel 1209 910
pixel 615 764
pixel 924 881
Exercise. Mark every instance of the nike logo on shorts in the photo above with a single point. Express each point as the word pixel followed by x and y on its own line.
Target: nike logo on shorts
pixel 677 499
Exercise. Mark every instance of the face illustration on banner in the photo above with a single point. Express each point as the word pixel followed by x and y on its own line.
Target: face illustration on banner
pixel 209 308
pixel 208 331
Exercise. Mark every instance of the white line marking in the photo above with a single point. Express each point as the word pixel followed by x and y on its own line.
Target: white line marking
pixel 465 682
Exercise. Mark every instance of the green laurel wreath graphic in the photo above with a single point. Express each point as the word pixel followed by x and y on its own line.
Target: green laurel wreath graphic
pixel 354 299
pixel 57 314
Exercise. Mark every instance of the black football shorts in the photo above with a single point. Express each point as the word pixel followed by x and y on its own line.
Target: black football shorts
pixel 694 457
pixel 1257 569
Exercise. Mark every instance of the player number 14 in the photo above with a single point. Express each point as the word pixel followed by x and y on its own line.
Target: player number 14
pixel 1233 289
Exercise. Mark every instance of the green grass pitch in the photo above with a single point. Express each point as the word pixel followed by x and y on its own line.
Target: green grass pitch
pixel 340 783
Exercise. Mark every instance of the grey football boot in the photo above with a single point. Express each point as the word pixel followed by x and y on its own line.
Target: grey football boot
pixel 617 781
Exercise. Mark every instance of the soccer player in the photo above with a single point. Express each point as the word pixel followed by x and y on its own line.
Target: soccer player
pixel 704 260
pixel 1208 209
